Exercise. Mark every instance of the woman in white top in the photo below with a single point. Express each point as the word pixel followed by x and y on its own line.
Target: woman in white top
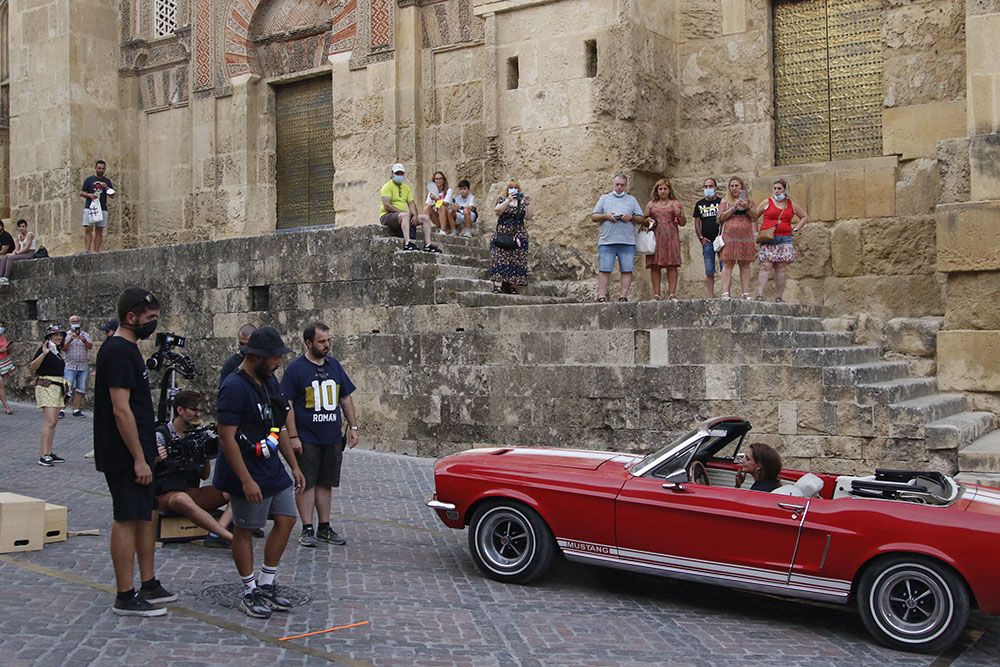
pixel 436 206
pixel 25 246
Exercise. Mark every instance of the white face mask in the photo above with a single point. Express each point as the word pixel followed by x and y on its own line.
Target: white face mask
pixel 618 194
pixel 709 192
pixel 780 196
pixel 512 192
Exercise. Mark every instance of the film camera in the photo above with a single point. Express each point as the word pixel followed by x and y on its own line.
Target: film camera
pixel 193 450
pixel 165 358
pixel 172 363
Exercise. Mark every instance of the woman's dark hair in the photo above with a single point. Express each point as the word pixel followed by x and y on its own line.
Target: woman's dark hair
pixel 445 178
pixel 768 460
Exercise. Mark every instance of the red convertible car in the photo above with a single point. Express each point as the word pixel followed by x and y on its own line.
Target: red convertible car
pixel 913 550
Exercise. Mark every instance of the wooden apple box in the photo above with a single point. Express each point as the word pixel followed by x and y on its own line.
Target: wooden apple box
pixel 178 529
pixel 22 523
pixel 55 523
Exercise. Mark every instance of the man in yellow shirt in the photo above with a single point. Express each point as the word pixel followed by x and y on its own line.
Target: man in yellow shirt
pixel 399 210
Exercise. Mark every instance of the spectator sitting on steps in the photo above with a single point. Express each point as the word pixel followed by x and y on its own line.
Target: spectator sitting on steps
pixel 399 210
pixel 24 248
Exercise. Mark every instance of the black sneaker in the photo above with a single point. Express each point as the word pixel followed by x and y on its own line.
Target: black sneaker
pixel 56 458
pixel 328 534
pixel 254 605
pixel 410 245
pixel 157 593
pixel 136 606
pixel 213 541
pixel 46 461
pixel 307 538
pixel 430 247
pixel 62 413
pixel 273 597
pixel 78 413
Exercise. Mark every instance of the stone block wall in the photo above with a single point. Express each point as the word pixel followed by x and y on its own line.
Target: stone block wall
pixel 437 377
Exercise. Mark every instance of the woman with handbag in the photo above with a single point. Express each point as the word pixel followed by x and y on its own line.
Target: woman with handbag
pixel 738 233
pixel 509 247
pixel 776 249
pixel 667 217
pixel 49 366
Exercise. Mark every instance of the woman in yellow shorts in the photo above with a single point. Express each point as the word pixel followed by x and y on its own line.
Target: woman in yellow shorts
pixel 48 366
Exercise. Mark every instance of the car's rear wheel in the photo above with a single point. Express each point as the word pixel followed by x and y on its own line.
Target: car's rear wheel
pixel 912 603
pixel 510 542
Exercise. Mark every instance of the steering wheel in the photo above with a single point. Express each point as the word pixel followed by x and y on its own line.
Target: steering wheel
pixel 697 474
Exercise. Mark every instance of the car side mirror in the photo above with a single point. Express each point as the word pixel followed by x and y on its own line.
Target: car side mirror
pixel 677 476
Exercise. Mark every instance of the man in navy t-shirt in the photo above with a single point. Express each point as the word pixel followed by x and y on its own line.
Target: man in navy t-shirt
pixel 318 388
pixel 96 188
pixel 251 413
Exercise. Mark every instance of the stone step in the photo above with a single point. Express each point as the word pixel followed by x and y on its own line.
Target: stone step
pixel 488 299
pixel 958 431
pixel 418 257
pixel 895 391
pixel 794 339
pixel 854 374
pixel 449 248
pixel 983 455
pixel 450 287
pixel 761 323
pixel 989 479
pixel 907 419
pixel 743 307
pixel 449 271
pixel 839 323
pixel 827 356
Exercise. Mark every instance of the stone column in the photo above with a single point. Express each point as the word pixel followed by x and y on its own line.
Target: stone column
pixel 64 111
pixel 409 116
pixel 968 234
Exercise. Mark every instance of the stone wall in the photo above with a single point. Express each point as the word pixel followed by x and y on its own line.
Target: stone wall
pixel 436 376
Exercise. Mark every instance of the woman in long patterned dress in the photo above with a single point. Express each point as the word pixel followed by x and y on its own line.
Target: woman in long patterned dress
pixel 509 265
pixel 776 255
pixel 668 216
pixel 739 232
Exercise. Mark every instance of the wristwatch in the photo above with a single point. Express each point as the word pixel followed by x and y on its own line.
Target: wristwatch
pixel 353 428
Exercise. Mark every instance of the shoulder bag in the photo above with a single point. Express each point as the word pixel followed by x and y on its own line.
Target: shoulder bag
pixel 766 235
pixel 645 242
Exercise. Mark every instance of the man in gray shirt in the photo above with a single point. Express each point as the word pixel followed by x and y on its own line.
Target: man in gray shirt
pixel 618 213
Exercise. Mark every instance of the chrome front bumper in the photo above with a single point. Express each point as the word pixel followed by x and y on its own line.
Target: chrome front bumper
pixel 436 504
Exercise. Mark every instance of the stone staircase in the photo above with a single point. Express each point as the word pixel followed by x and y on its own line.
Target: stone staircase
pixel 862 388
pixel 460 274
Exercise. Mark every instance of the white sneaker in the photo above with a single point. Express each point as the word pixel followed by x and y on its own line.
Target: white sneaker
pixel 4 281
pixel 467 234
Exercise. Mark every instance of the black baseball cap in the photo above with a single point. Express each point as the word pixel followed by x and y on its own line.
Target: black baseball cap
pixel 265 342
pixel 109 326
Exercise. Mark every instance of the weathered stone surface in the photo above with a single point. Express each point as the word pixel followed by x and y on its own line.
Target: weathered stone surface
pixel 918 190
pixel 898 246
pixel 846 247
pixel 912 336
pixel 881 295
pixel 967 360
pixel 972 300
pixel 968 237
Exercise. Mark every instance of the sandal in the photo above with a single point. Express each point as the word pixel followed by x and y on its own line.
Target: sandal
pixel 672 297
pixel 746 296
pixel 725 296
pixel 760 298
pixel 623 300
pixel 779 300
pixel 9 411
pixel 602 299
pixel 497 289
pixel 656 297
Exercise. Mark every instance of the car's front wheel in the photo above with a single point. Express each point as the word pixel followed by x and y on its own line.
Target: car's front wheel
pixel 510 542
pixel 913 604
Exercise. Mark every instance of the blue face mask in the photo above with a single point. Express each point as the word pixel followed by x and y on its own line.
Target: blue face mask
pixel 3 330
pixel 779 197
pixel 709 192
pixel 398 179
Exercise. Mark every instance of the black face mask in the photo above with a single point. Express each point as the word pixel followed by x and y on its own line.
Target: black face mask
pixel 146 330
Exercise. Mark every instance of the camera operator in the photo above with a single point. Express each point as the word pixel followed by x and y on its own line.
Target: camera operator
pixel 180 490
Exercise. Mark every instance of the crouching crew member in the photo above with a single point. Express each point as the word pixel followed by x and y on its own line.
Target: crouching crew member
pixel 179 490
pixel 250 414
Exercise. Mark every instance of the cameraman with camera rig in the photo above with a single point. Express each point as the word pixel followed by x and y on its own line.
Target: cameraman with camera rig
pixel 184 452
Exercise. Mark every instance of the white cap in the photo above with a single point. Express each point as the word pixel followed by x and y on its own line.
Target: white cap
pixel 398 167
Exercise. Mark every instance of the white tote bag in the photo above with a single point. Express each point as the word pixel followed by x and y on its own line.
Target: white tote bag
pixel 94 211
pixel 645 242
pixel 718 243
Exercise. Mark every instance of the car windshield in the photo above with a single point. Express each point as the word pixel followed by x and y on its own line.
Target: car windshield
pixel 641 465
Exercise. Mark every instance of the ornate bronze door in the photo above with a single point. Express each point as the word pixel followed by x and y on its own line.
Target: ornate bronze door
pixel 304 117
pixel 827 79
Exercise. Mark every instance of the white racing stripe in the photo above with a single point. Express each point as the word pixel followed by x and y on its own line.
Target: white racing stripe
pixel 705 568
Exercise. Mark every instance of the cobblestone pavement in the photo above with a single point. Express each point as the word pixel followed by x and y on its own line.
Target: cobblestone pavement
pixel 405 574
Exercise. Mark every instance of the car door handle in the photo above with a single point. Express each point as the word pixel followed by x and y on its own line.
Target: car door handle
pixel 791 507
pixel 675 487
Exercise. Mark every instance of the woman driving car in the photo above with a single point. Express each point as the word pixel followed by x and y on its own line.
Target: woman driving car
pixel 763 464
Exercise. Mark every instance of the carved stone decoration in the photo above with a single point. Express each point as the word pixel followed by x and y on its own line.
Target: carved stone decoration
pixel 375 21
pixel 449 22
pixel 163 89
pixel 272 37
pixel 140 54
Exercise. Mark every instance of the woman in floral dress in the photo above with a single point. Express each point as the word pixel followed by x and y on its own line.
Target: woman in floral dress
pixel 509 265
pixel 667 216
pixel 739 231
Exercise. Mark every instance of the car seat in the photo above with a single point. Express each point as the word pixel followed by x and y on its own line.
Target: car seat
pixel 807 486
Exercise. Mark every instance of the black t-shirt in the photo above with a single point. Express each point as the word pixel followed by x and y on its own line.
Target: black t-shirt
pixel 52 365
pixel 254 410
pixel 230 365
pixel 765 485
pixel 99 185
pixel 7 240
pixel 707 210
pixel 119 364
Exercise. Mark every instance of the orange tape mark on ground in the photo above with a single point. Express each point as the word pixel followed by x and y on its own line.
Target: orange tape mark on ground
pixel 323 632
